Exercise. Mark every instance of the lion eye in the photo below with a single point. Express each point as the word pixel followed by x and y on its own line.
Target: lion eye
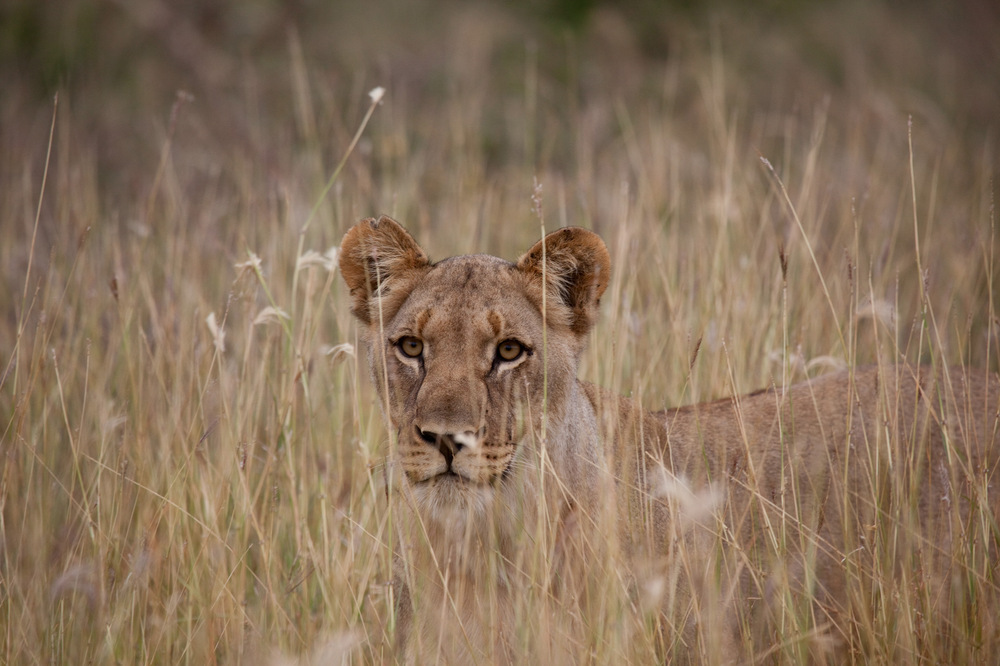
pixel 510 350
pixel 411 347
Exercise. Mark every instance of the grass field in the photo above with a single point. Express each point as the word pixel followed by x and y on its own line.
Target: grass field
pixel 193 461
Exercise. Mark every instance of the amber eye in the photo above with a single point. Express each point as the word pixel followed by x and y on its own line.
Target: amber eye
pixel 410 346
pixel 510 350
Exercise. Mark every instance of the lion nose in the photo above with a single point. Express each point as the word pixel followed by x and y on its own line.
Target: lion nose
pixel 449 444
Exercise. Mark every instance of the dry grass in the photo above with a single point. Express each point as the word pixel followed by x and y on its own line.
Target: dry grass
pixel 188 476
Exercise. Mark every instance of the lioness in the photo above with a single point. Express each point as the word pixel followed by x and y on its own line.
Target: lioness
pixel 810 492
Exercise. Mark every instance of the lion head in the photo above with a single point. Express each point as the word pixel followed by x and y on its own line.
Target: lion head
pixel 472 356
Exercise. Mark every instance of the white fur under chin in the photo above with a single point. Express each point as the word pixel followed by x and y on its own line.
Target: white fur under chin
pixel 453 502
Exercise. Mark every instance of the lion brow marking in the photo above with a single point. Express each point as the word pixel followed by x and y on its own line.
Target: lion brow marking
pixel 422 319
pixel 496 322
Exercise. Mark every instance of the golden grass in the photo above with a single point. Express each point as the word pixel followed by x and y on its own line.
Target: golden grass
pixel 192 457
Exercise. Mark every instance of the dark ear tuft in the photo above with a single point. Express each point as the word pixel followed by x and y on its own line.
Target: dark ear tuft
pixel 577 270
pixel 374 254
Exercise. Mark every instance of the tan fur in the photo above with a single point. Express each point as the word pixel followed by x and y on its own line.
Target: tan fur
pixel 801 485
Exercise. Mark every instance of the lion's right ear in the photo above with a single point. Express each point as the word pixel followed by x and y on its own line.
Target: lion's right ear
pixel 376 256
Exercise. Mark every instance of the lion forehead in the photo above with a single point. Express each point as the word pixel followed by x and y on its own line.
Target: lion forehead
pixel 473 274
pixel 473 291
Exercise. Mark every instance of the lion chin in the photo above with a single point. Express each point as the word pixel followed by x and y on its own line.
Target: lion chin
pixel 452 500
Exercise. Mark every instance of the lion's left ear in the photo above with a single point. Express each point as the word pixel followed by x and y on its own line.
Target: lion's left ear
pixel 577 270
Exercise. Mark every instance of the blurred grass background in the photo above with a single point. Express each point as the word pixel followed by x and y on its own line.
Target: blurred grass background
pixel 171 496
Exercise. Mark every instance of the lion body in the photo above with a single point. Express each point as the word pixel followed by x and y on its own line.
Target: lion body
pixel 502 452
pixel 842 476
